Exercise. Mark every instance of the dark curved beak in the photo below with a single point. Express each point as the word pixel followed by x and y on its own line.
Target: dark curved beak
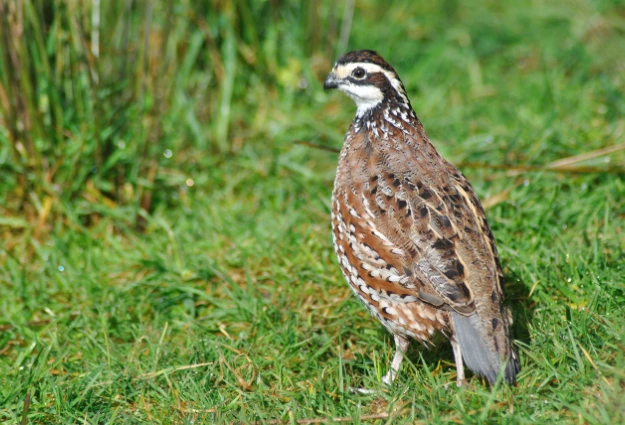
pixel 331 82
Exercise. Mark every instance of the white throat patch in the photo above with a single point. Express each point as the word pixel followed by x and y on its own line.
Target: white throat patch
pixel 366 97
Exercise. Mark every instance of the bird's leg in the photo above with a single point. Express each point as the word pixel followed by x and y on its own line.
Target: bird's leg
pixel 460 381
pixel 401 346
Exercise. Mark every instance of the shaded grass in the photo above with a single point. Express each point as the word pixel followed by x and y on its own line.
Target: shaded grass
pixel 235 275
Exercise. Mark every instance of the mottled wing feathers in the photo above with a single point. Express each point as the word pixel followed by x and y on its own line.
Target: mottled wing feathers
pixel 428 226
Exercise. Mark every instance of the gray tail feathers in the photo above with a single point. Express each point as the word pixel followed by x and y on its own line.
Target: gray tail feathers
pixel 484 357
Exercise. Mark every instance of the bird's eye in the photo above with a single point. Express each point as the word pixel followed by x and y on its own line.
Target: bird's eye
pixel 358 73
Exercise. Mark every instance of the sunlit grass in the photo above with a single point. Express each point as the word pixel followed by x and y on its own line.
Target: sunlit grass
pixel 223 302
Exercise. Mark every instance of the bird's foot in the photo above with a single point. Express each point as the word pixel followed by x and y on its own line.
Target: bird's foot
pixel 387 380
pixel 364 391
pixel 389 377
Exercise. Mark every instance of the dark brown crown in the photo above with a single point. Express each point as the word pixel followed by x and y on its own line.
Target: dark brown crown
pixel 368 56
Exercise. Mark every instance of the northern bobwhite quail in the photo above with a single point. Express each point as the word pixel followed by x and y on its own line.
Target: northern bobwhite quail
pixel 410 233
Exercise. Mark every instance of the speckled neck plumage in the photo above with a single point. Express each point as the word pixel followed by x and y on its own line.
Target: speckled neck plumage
pixel 390 112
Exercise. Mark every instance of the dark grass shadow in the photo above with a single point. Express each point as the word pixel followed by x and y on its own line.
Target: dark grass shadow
pixel 517 299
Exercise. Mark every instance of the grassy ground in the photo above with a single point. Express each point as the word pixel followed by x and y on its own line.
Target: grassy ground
pixel 229 305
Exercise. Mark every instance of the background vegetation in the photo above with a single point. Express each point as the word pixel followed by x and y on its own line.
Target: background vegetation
pixel 164 207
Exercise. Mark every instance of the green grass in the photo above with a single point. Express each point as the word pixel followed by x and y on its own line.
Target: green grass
pixel 221 301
